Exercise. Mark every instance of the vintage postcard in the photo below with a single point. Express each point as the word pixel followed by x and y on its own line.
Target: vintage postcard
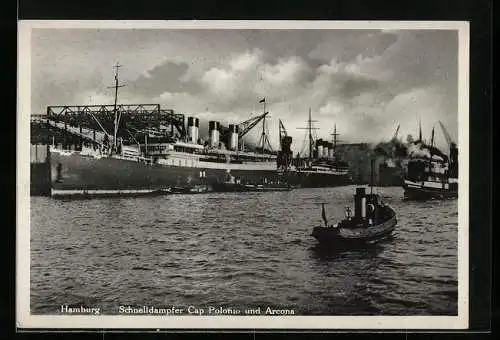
pixel 242 175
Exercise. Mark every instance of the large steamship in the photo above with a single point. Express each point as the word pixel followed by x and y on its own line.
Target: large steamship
pixel 143 148
pixel 322 167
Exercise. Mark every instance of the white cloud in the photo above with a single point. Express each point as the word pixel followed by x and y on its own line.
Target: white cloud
pixel 365 82
pixel 332 108
pixel 94 98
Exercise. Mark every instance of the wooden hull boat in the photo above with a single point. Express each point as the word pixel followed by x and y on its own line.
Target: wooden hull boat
pixel 236 185
pixel 372 222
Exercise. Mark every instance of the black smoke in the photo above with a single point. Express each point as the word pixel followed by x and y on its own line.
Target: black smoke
pixel 395 151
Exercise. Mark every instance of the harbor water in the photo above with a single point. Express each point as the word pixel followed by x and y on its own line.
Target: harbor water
pixel 240 250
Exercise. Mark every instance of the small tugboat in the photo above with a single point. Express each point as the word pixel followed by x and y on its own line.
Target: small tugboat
pixel 232 184
pixel 432 174
pixel 196 189
pixel 372 221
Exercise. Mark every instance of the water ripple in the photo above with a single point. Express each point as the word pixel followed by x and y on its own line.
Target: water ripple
pixel 247 250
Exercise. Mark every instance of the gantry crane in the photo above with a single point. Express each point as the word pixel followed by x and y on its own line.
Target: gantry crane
pixel 285 154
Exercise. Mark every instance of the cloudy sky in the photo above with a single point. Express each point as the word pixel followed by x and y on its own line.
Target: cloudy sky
pixel 365 81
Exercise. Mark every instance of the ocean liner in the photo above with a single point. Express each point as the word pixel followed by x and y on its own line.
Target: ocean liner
pixel 142 148
pixel 322 167
pixel 430 173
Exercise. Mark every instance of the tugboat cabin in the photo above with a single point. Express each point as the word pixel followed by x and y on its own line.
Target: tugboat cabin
pixel 368 211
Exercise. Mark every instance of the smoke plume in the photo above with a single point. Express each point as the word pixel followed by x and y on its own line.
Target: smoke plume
pixel 395 152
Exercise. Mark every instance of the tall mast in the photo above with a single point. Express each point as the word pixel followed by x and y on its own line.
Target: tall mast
pixel 116 121
pixel 264 127
pixel 432 137
pixel 310 135
pixel 432 145
pixel 309 129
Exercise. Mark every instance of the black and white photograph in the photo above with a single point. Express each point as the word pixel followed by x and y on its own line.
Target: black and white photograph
pixel 242 174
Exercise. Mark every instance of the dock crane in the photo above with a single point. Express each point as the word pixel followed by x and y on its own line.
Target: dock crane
pixel 309 128
pixel 249 124
pixel 395 137
pixel 420 131
pixel 283 133
pixel 447 136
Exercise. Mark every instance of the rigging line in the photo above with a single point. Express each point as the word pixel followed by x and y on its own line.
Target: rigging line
pixel 304 143
pixel 314 135
pixel 103 129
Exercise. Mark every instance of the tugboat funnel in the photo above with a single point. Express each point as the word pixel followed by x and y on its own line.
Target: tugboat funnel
pixel 193 124
pixel 323 214
pixel 213 128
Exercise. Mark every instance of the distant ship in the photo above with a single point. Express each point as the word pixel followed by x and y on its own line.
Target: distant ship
pixel 430 173
pixel 390 170
pixel 373 221
pixel 232 184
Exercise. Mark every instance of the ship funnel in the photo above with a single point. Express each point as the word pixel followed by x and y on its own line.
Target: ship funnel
pixel 193 129
pixel 360 203
pixel 325 149
pixel 330 150
pixel 233 137
pixel 319 147
pixel 213 129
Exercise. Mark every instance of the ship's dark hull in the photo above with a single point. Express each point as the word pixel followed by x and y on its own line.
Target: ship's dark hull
pixel 337 237
pixel 412 192
pixel 40 179
pixel 76 174
pixel 317 180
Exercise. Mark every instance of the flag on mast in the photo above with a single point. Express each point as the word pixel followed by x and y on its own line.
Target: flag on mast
pixel 263 100
pixel 323 214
